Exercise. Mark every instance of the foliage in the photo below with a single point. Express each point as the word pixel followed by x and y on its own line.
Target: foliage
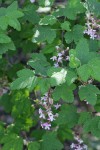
pixel 49 72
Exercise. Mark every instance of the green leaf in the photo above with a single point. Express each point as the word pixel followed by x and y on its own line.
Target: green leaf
pixel 9 16
pixel 22 119
pixel 84 116
pixel 57 75
pixel 97 106
pixel 64 133
pixel 82 51
pixel 48 20
pixel 89 93
pixel 49 48
pixel 33 146
pixel 15 24
pixel 68 115
pixel 72 8
pixel 71 77
pixel 94 6
pixel 26 72
pixel 5 101
pixel 92 69
pixel 26 80
pixel 74 62
pixel 75 34
pixel 44 34
pixel 65 92
pixel 39 63
pixel 94 65
pixel 4 38
pixel 30 14
pixel 2 130
pixel 51 137
pixel 93 45
pixel 38 133
pixel 12 142
pixel 15 68
pixel 66 26
pixel 21 103
pixel 43 85
pixel 92 125
pixel 5 42
pixel 81 72
pixel 6 46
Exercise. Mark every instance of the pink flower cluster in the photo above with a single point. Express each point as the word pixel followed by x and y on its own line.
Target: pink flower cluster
pixel 79 145
pixel 46 113
pixel 60 57
pixel 92 26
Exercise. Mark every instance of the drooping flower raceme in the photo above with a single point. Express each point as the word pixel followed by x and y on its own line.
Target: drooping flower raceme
pixel 79 145
pixel 46 113
pixel 60 57
pixel 92 27
pixel 92 24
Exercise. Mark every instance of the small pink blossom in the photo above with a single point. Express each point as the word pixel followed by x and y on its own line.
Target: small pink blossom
pixel 57 106
pixel 46 125
pixel 60 54
pixel 60 59
pixel 54 58
pixel 44 98
pixel 78 140
pixel 51 116
pixel 56 64
pixel 41 114
pixel 72 145
pixel 67 58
